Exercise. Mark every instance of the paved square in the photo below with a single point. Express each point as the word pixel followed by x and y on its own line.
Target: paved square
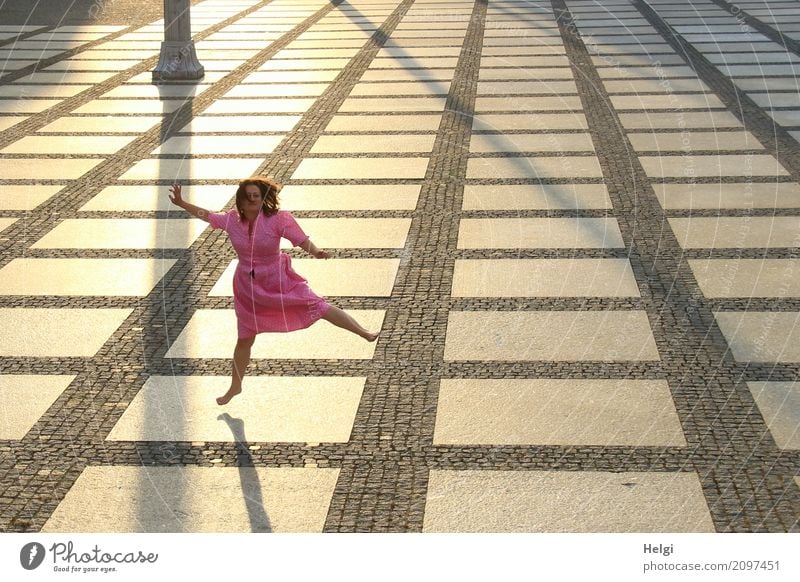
pixel 177 499
pixel 212 334
pixel 271 408
pixel 532 501
pixel 57 332
pixel 543 278
pixel 25 398
pixel 331 277
pixel 516 336
pixel 557 412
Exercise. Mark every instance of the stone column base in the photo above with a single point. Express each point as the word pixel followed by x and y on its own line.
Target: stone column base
pixel 178 62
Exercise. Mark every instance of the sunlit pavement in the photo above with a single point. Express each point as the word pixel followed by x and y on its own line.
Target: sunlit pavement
pixel 576 223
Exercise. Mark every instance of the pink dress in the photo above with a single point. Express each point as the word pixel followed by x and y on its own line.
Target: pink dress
pixel 268 296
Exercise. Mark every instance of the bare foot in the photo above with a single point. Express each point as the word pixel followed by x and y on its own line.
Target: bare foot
pixel 371 337
pixel 225 398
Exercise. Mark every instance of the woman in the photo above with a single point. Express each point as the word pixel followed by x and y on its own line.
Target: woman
pixel 268 296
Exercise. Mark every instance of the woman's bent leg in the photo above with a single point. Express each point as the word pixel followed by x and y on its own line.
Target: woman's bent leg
pixel 341 319
pixel 241 358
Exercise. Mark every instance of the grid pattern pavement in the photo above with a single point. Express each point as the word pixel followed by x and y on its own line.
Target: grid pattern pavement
pixel 575 222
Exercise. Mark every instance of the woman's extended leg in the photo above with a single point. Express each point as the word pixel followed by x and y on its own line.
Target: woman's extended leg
pixel 341 319
pixel 241 357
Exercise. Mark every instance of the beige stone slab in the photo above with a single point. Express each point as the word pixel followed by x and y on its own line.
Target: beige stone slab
pixel 177 92
pixel 654 86
pixel 316 53
pixel 6 222
pixel 418 51
pixel 535 142
pixel 535 197
pixel 271 409
pixel 401 88
pixel 278 90
pixel 672 102
pixel 648 72
pixel 130 106
pixel 712 166
pixel 6 122
pixel 770 100
pixel 417 62
pixel 219 144
pixel 25 398
pixel 332 277
pixel 41 91
pixel 241 124
pixel 696 140
pixel 392 105
pixel 57 144
pixel 527 87
pixel 534 167
pixel 25 197
pixel 261 105
pixel 304 64
pixel 291 76
pixel 679 120
pixel 212 334
pixel 524 61
pixel 109 124
pixel 333 144
pixel 747 277
pixel 45 169
pixel 720 195
pixel 543 278
pixel 67 77
pixel 525 74
pixel 540 103
pixel 73 64
pixel 196 499
pixel 635 413
pixel 408 75
pixel 737 232
pixel 377 123
pixel 359 233
pixel 150 198
pixel 779 404
pixel 565 501
pixel 350 197
pixel 605 336
pixel 83 277
pixel 765 336
pixel 23 106
pixel 767 83
pixel 53 333
pixel 360 168
pixel 759 70
pixel 786 118
pixel 191 169
pixel 515 233
pixel 537 121
pixel 122 233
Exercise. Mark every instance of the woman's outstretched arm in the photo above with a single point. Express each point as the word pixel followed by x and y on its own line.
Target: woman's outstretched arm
pixel 312 249
pixel 177 200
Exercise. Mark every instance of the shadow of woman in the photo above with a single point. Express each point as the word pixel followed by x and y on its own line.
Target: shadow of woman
pixel 248 477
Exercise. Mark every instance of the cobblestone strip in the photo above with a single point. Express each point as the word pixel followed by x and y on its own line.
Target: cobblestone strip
pixel 76 424
pixel 37 121
pixel 762 27
pixel 398 408
pixel 717 412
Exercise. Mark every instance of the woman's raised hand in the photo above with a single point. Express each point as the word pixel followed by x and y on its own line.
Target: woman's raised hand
pixel 176 194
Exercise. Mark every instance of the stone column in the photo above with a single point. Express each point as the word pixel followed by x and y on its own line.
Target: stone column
pixel 178 60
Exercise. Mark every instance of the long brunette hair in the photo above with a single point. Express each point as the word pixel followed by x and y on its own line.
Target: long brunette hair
pixel 269 192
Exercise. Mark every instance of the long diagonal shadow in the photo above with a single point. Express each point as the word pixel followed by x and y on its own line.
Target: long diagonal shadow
pixel 248 477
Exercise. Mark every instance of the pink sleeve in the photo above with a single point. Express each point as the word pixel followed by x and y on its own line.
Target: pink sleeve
pixel 220 219
pixel 291 230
